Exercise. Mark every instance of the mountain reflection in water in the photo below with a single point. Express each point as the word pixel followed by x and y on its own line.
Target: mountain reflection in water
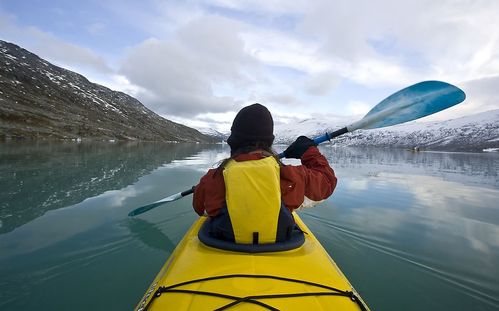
pixel 411 230
pixel 36 178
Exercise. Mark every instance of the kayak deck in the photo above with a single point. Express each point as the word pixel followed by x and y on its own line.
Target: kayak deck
pixel 198 277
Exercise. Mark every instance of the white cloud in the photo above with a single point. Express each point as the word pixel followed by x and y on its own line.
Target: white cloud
pixel 214 56
pixel 448 39
pixel 181 74
pixel 482 93
pixel 279 49
pixel 50 47
pixel 66 54
pixel 121 83
pixel 358 108
pixel 322 83
pixel 170 77
pixel 220 122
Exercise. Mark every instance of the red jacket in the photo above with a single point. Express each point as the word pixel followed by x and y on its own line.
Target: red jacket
pixel 314 179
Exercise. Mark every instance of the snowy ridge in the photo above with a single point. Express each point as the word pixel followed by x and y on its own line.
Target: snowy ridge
pixel 471 133
pixel 41 100
pixel 213 133
pixel 312 127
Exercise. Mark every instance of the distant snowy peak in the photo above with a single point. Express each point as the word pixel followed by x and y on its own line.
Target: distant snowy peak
pixel 213 133
pixel 479 132
pixel 480 119
pixel 311 127
pixel 471 133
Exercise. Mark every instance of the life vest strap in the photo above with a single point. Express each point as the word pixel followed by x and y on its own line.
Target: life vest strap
pixel 255 237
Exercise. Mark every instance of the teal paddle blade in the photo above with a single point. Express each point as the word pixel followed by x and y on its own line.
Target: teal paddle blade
pixel 146 208
pixel 414 102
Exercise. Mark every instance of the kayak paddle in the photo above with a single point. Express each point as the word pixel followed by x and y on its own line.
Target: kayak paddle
pixel 171 198
pixel 413 102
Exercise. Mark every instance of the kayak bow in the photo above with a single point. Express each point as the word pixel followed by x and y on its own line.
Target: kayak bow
pixel 199 277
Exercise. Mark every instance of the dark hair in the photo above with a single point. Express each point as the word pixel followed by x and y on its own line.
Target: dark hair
pixel 263 146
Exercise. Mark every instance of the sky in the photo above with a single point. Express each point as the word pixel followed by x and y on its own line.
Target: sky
pixel 199 62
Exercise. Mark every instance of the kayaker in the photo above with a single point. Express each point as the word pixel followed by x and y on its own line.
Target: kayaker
pixel 251 195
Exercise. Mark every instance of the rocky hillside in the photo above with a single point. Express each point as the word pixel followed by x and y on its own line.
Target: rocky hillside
pixel 40 100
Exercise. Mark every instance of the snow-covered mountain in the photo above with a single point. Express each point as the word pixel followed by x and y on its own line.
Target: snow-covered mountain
pixel 219 136
pixel 471 133
pixel 41 100
pixel 312 127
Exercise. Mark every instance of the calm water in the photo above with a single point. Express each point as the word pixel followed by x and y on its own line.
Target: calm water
pixel 412 231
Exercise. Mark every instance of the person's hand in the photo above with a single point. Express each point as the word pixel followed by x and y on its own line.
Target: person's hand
pixel 298 148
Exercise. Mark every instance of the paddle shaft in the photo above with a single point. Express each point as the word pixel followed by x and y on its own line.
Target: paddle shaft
pixel 187 192
pixel 362 123
pixel 171 198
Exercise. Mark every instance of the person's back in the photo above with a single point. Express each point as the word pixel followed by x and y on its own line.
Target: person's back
pixel 250 197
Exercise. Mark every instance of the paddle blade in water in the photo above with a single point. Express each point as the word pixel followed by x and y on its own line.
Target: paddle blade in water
pixel 144 209
pixel 149 207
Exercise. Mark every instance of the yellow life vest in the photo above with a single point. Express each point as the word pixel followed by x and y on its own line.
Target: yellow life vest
pixel 253 196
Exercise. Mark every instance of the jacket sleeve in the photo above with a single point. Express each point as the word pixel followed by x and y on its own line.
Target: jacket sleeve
pixel 209 194
pixel 307 184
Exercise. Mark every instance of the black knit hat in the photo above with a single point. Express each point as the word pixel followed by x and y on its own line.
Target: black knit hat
pixel 252 125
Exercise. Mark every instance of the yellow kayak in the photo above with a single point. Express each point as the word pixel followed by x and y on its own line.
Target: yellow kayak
pixel 200 277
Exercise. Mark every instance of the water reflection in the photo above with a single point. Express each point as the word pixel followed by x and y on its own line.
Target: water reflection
pixel 36 178
pixel 418 230
pixel 149 234
pixel 432 218
pixel 473 168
